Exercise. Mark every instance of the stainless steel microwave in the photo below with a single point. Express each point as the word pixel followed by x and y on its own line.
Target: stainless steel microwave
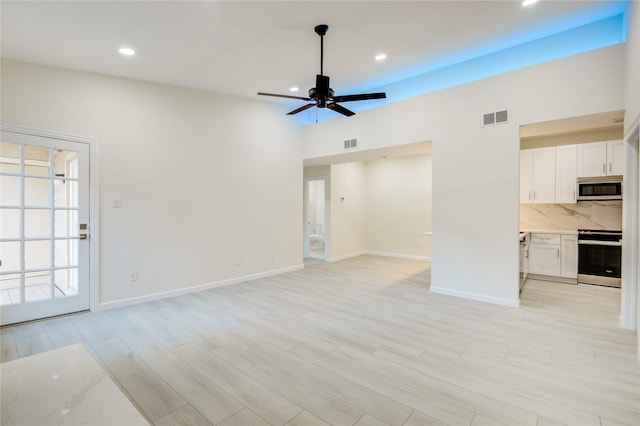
pixel 600 188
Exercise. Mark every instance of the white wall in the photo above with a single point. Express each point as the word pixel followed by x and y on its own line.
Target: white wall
pixel 476 170
pixel 399 206
pixel 348 218
pixel 203 178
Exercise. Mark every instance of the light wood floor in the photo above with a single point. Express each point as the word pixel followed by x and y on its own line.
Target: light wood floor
pixel 361 342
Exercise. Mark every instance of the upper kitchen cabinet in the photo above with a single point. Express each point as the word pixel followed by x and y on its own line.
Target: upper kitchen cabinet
pixel 538 175
pixel 601 158
pixel 566 173
pixel 615 157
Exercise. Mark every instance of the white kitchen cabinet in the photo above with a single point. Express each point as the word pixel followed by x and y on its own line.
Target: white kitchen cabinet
pixel 544 254
pixel 601 158
pixel 566 173
pixel 537 175
pixel 615 157
pixel 569 256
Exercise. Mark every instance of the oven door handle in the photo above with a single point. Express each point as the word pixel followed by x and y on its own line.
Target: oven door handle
pixel 601 243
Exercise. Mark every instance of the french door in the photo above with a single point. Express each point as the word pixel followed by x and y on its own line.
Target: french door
pixel 44 227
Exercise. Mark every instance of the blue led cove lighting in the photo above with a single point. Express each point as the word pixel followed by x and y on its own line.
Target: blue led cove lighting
pixel 584 38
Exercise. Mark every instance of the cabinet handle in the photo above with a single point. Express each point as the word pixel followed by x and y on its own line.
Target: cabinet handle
pixel 604 168
pixel 558 252
pixel 574 195
pixel 534 195
pixel 610 167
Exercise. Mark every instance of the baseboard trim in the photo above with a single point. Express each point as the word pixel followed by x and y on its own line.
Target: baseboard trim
pixel 193 289
pixel 477 297
pixel 346 256
pixel 398 255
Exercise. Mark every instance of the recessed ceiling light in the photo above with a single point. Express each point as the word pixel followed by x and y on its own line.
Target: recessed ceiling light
pixel 529 2
pixel 126 51
pixel 294 89
pixel 381 57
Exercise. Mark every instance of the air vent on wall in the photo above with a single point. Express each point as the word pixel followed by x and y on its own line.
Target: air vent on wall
pixel 493 118
pixel 351 143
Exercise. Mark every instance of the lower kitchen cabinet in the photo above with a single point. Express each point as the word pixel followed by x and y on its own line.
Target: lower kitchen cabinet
pixel 544 258
pixel 554 255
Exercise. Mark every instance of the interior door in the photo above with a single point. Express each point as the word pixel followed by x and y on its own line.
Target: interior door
pixel 44 227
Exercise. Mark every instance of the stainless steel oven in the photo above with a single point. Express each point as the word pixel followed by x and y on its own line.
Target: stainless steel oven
pixel 600 257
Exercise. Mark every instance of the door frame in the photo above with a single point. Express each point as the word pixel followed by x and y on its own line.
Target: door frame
pixel 94 223
pixel 630 218
pixel 305 229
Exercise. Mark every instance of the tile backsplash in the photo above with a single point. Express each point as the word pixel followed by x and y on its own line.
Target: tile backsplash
pixel 582 215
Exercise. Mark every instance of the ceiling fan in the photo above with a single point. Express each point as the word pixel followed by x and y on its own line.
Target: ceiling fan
pixel 323 96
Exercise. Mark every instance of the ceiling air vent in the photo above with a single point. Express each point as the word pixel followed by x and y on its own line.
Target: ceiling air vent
pixel 498 117
pixel 351 143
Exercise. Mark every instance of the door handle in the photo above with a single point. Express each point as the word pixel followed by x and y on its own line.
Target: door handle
pixel 84 236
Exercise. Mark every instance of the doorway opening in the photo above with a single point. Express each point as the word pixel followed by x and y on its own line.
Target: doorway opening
pixel 315 236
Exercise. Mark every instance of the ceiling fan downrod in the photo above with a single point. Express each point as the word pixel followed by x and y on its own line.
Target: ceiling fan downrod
pixel 321 30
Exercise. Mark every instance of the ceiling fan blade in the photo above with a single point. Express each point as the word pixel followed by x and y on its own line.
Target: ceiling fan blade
pixel 302 108
pixel 284 96
pixel 360 97
pixel 339 108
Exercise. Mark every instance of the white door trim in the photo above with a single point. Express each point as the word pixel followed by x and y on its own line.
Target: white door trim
pixel 94 264
pixel 630 207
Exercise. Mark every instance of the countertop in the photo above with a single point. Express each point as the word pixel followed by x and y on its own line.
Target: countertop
pixel 549 231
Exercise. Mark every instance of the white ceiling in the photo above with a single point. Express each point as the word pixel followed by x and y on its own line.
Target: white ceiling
pixel 242 47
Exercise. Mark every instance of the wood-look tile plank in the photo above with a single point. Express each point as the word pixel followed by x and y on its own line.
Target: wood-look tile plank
pixel 260 399
pixel 393 388
pixel 185 416
pixel 386 409
pixel 305 418
pixel 244 417
pixel 152 394
pixel 210 401
pixel 318 402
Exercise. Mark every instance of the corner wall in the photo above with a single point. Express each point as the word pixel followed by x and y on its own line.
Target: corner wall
pixel 204 179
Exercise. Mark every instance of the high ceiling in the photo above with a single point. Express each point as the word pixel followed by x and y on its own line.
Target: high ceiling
pixel 242 47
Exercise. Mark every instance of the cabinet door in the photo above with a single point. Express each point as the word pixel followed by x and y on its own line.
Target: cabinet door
pixel 615 157
pixel 544 175
pixel 544 259
pixel 566 173
pixel 592 159
pixel 526 164
pixel 569 256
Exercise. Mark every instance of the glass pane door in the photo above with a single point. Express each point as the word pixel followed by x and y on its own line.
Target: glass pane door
pixel 44 200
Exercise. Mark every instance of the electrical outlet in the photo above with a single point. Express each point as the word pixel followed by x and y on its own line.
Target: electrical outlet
pixel 238 260
pixel 133 276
